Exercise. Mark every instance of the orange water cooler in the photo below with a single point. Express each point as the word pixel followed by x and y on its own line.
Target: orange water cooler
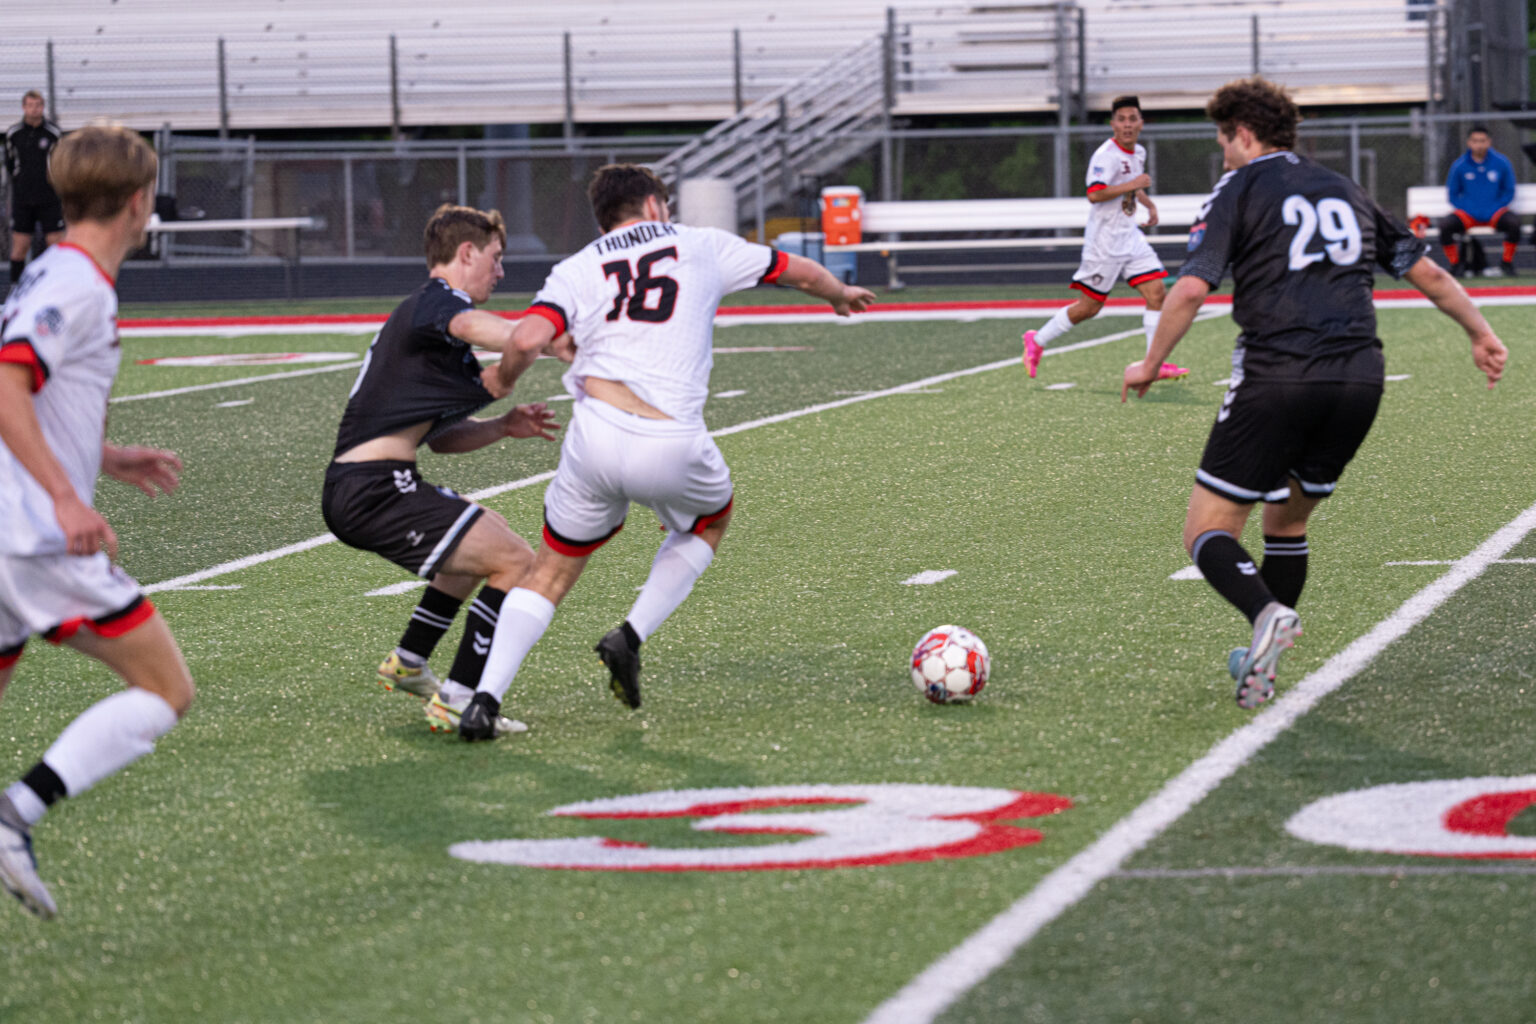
pixel 841 221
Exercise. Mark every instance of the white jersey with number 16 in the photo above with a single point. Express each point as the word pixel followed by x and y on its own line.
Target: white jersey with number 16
pixel 640 303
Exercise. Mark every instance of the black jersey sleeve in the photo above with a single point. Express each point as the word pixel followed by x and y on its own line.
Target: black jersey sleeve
pixel 435 311
pixel 1397 248
pixel 1211 241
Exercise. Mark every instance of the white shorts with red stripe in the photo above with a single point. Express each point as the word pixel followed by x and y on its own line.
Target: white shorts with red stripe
pixel 1100 268
pixel 58 595
pixel 610 458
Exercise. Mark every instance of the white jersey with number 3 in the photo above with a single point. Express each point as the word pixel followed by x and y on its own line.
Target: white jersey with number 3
pixel 61 323
pixel 640 303
pixel 1111 230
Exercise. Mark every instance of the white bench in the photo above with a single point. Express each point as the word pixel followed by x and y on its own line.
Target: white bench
pixel 959 216
pixel 292 282
pixel 1430 201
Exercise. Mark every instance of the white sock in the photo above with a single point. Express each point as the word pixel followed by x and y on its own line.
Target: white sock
pixel 28 804
pixel 525 615
pixel 107 737
pixel 1149 321
pixel 452 692
pixel 1054 328
pixel 679 563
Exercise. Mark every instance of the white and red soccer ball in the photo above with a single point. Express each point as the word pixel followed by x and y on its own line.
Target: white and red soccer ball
pixel 950 664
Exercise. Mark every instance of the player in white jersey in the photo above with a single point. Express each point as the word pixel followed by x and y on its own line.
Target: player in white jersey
pixel 58 355
pixel 1113 245
pixel 640 303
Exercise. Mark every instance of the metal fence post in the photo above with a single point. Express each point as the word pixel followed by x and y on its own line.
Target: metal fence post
pixel 1255 43
pixel 53 95
pixel 349 215
pixel 223 94
pixel 570 92
pixel 887 105
pixel 762 205
pixel 394 87
pixel 1354 151
pixel 736 64
pixel 463 176
pixel 1063 115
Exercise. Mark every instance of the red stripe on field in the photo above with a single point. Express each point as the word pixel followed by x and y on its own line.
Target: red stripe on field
pixel 321 319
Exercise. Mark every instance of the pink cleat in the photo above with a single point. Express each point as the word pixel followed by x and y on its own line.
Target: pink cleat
pixel 1032 353
pixel 1170 372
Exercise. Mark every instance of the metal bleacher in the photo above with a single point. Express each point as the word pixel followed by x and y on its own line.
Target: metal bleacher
pixel 272 64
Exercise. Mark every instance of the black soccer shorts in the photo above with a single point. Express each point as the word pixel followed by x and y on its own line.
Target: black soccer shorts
pixel 1269 433
pixel 33 218
pixel 387 508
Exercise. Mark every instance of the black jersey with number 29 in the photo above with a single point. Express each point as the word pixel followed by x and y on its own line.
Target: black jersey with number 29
pixel 1303 243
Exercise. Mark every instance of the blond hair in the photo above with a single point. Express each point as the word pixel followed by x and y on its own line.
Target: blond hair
pixel 451 226
pixel 97 169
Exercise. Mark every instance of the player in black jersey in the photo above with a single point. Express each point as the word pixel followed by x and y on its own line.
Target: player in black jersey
pixel 34 204
pixel 1308 372
pixel 420 383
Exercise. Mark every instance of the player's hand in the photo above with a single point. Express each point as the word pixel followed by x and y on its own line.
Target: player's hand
pixel 562 348
pixel 154 471
pixel 85 531
pixel 1490 355
pixel 490 379
pixel 1140 181
pixel 532 420
pixel 852 300
pixel 1138 377
pixel 1151 215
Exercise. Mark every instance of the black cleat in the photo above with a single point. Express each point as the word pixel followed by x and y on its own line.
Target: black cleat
pixel 623 662
pixel 478 719
pixel 1508 269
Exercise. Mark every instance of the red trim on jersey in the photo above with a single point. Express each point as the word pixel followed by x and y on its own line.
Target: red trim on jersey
pixel 704 522
pixel 12 656
pixel 576 549
pixel 1151 275
pixel 548 313
pixel 1096 186
pixel 1101 296
pixel 22 353
pixel 780 264
pixel 104 275
pixel 1131 151
pixel 110 626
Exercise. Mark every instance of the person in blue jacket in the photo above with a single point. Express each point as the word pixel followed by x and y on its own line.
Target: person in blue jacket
pixel 1480 186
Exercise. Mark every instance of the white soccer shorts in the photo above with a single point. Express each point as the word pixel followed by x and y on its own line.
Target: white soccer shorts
pixel 57 595
pixel 610 458
pixel 1101 268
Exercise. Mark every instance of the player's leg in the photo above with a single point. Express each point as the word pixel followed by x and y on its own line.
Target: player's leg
pixel 21 240
pixel 1452 226
pixel 405 668
pixel 1149 282
pixel 489 551
pixel 112 733
pixel 1092 281
pixel 1508 225
pixel 18 867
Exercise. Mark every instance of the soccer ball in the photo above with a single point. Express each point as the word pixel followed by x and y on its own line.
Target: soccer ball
pixel 950 664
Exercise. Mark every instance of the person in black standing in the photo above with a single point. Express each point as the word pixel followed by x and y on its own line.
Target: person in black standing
pixel 34 205
pixel 419 384
pixel 1308 370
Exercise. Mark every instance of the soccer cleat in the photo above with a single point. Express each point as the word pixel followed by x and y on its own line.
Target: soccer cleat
pixel 1170 372
pixel 1274 632
pixel 1033 350
pixel 395 674
pixel 623 664
pixel 1508 269
pixel 18 871
pixel 1235 658
pixel 445 717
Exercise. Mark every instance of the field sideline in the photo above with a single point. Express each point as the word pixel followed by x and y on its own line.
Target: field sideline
pixel 785 671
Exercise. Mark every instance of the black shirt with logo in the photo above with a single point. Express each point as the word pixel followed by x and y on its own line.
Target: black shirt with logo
pixel 27 149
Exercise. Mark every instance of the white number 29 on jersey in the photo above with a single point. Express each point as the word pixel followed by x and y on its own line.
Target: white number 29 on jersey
pixel 1334 219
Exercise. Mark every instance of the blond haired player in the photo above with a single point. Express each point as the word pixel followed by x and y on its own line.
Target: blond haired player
pixel 58 355
pixel 1113 246
pixel 640 304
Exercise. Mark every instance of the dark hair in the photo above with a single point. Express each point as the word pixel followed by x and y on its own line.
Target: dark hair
pixel 618 192
pixel 1124 101
pixel 30 94
pixel 451 226
pixel 1263 107
pixel 1478 128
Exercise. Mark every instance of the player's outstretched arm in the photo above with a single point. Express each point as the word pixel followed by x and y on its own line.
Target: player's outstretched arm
pixel 144 468
pixel 814 279
pixel 533 420
pixel 530 336
pixel 482 329
pixel 1179 309
pixel 1488 352
pixel 85 531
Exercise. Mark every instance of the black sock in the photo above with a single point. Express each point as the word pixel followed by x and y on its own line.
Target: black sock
pixel 1285 567
pixel 429 622
pixel 1227 568
pixel 630 636
pixel 45 782
pixel 479 627
pixel 17 266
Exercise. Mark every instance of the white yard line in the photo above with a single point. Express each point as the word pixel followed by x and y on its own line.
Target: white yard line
pixel 950 977
pixel 326 538
pixel 1324 870
pixel 237 382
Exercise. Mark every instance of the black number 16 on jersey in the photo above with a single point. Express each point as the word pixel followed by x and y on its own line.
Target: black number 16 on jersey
pixel 636 284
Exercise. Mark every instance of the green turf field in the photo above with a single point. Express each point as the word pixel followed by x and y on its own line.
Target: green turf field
pixel 283 856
